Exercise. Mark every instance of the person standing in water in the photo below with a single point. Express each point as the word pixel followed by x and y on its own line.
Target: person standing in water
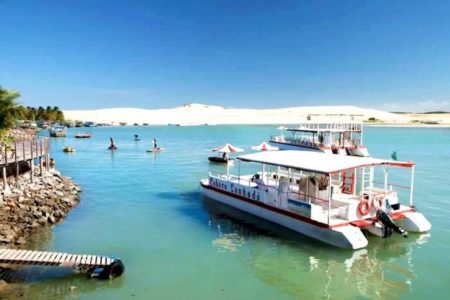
pixel 111 144
pixel 154 143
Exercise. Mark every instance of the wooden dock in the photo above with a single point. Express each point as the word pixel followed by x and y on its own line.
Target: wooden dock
pixel 96 266
pixel 30 151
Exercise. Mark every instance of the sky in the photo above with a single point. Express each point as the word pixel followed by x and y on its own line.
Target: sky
pixel 389 55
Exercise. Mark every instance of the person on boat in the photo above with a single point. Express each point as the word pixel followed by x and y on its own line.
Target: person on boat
pixel 225 156
pixel 154 143
pixel 260 184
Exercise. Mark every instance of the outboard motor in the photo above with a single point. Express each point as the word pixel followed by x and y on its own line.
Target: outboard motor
pixel 389 225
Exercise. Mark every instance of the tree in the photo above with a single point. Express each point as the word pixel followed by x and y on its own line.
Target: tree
pixel 40 113
pixel 21 113
pixel 8 108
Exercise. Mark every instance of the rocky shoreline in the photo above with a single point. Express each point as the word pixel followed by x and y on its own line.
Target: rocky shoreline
pixel 27 206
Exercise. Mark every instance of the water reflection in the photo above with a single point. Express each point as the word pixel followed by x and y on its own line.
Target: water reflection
pixel 302 268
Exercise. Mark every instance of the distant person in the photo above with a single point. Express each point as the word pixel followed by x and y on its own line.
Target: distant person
pixel 136 137
pixel 111 144
pixel 154 143
pixel 225 156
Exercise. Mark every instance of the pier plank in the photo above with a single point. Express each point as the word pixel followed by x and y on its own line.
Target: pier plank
pixel 29 254
pixel 48 258
pixel 21 256
pixel 15 254
pixel 4 254
pixel 37 256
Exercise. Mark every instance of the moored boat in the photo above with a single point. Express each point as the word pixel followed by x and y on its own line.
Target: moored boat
pixel 58 131
pixel 90 124
pixel 325 133
pixel 334 199
pixel 223 151
pixel 86 135
pixel 68 149
pixel 220 159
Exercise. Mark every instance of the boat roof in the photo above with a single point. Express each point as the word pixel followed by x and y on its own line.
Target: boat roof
pixel 317 161
pixel 304 129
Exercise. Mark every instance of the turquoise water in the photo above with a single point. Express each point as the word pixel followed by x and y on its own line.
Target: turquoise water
pixel 147 209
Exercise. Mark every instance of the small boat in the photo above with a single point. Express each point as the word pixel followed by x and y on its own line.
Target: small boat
pixel 156 149
pixel 83 135
pixel 68 149
pixel 145 124
pixel 136 124
pixel 122 123
pixel 331 198
pixel 220 159
pixel 58 131
pixel 222 151
pixel 90 124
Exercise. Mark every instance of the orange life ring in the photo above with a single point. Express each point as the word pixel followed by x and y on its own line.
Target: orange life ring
pixel 377 201
pixel 363 207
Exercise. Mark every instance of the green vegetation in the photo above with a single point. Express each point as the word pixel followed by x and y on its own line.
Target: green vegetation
pixel 8 109
pixel 11 111
pixel 430 122
pixel 437 112
pixel 52 114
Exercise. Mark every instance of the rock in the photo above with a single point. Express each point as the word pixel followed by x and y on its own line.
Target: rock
pixel 3 284
pixel 31 205
pixel 21 241
pixel 51 219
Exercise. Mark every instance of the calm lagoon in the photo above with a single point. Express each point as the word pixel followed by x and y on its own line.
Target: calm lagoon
pixel 147 209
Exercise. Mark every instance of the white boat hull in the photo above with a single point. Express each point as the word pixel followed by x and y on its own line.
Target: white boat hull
pixel 414 222
pixel 347 236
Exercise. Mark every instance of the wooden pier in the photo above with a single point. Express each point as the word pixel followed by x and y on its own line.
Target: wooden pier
pixel 102 267
pixel 25 151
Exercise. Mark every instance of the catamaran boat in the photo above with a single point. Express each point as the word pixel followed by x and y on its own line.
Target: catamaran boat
pixel 334 199
pixel 336 137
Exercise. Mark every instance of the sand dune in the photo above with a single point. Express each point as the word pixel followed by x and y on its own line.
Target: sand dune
pixel 199 114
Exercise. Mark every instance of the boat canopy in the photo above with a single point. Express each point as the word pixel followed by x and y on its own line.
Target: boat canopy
pixel 318 162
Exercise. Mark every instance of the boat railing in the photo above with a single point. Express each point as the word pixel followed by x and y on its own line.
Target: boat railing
pixel 294 141
pixel 352 126
pixel 391 185
pixel 308 198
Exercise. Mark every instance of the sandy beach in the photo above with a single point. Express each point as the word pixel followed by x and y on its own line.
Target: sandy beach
pixel 200 114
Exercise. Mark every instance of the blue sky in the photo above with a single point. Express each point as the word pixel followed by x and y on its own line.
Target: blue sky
pixel 390 55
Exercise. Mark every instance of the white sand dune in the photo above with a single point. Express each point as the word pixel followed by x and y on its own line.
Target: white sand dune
pixel 199 114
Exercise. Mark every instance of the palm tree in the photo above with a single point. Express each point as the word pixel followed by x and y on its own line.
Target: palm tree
pixel 8 107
